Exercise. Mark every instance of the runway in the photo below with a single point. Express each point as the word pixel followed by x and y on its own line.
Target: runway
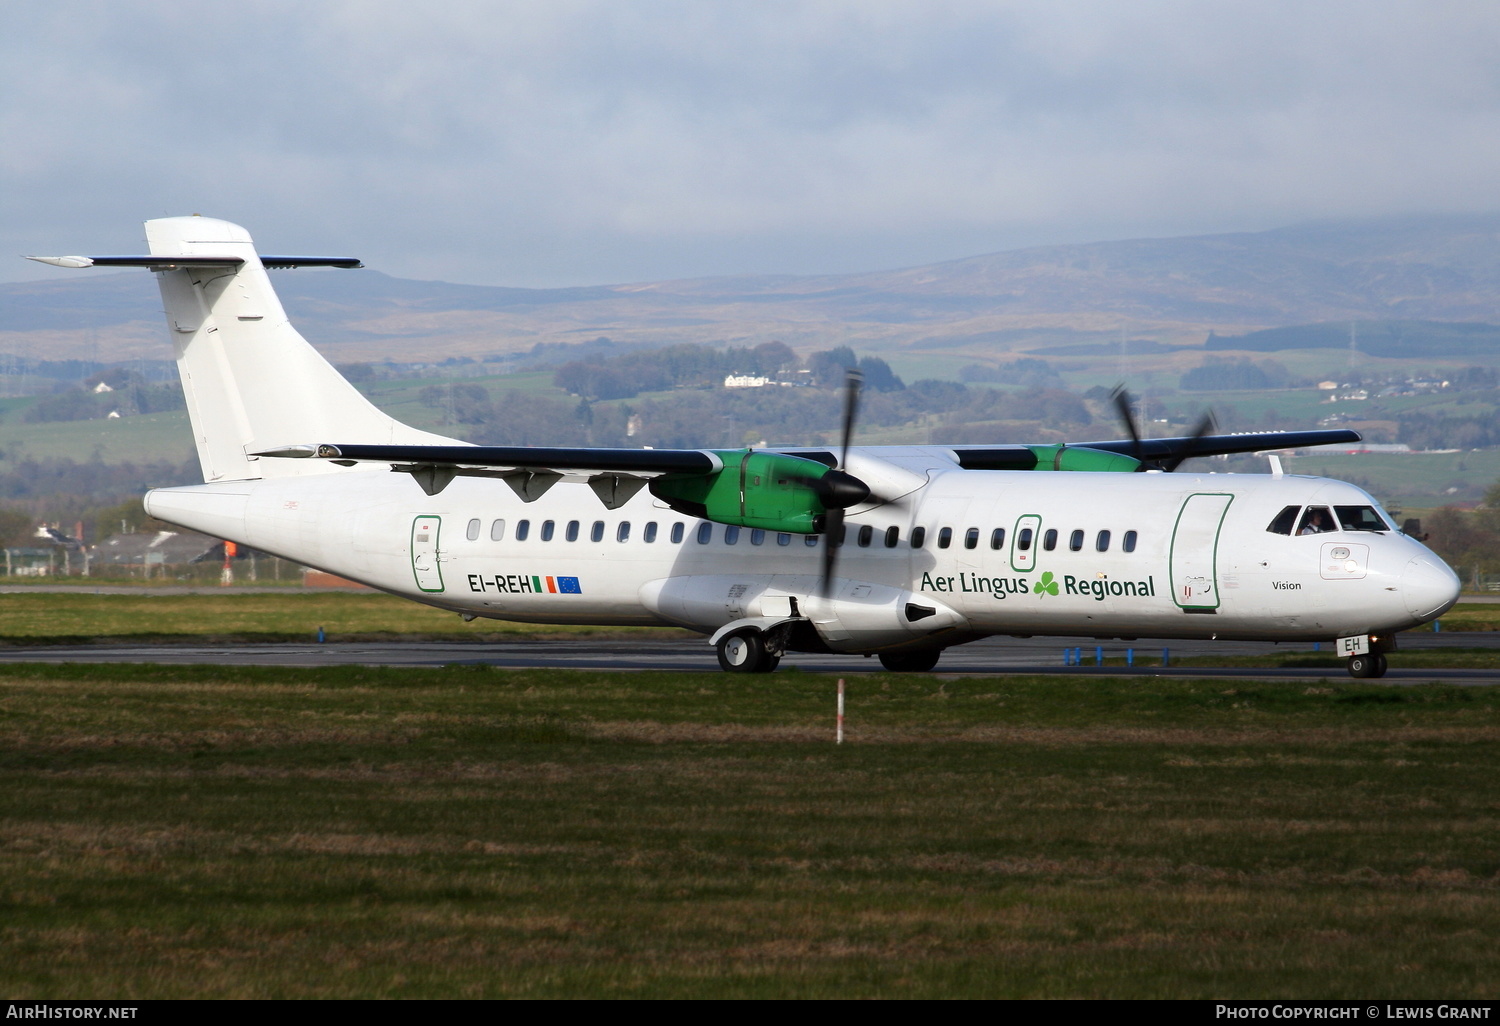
pixel 988 657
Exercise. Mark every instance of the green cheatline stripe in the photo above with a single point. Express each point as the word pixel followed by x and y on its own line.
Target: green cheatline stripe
pixel 536 583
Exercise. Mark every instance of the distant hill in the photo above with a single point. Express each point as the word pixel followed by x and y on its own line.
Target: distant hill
pixel 1061 298
pixel 1395 339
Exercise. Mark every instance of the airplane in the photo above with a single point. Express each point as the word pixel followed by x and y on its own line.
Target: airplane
pixel 895 551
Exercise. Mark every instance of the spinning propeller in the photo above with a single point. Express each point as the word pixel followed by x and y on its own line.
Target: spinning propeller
pixel 843 487
pixel 838 489
pixel 1206 426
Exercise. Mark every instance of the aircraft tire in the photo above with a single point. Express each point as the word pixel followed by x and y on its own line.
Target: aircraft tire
pixel 911 662
pixel 1380 666
pixel 745 652
pixel 1364 666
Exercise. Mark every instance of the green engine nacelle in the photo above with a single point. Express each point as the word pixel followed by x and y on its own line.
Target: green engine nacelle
pixel 1065 457
pixel 761 489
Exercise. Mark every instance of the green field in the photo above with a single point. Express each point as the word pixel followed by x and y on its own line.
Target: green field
pixel 66 617
pixel 152 436
pixel 243 832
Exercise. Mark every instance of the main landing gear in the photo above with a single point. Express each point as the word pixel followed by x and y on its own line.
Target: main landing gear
pixel 1363 666
pixel 751 651
pixel 746 652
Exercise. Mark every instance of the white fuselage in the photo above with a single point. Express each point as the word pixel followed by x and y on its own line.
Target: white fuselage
pixel 1202 562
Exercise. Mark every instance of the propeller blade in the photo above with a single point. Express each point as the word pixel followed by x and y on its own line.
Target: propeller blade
pixel 1121 400
pixel 833 535
pixel 1206 426
pixel 852 382
pixel 838 489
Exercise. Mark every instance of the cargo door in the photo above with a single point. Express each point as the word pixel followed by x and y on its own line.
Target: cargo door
pixel 1195 547
pixel 425 554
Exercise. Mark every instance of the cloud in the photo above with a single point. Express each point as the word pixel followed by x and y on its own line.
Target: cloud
pixel 573 142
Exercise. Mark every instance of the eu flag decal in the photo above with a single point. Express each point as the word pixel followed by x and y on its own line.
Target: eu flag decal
pixel 568 586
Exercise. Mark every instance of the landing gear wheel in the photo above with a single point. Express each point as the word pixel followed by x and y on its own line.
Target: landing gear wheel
pixel 1380 666
pixel 745 652
pixel 911 662
pixel 1366 666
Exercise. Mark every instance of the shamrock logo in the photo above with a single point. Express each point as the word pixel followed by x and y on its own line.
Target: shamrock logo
pixel 1046 586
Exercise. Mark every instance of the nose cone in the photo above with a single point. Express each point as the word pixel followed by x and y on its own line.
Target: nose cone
pixel 1429 587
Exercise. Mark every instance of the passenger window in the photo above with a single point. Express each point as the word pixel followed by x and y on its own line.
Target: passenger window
pixel 1049 539
pixel 1284 521
pixel 945 537
pixel 892 537
pixel 866 535
pixel 677 533
pixel 547 529
pixel 811 541
pixel 731 535
pixel 918 537
pixel 597 532
pixel 523 528
pixel 622 533
pixel 572 531
pixel 971 538
pixel 783 539
pixel 497 531
pixel 472 533
pixel 1360 518
pixel 1075 541
pixel 1102 542
pixel 839 537
pixel 1317 520
pixel 757 536
pixel 705 532
pixel 650 533
pixel 1128 542
pixel 997 538
pixel 1023 540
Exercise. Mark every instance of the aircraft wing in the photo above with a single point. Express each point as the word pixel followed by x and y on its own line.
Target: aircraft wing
pixel 501 458
pixel 1166 451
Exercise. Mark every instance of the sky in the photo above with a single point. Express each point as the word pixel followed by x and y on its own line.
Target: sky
pixel 576 142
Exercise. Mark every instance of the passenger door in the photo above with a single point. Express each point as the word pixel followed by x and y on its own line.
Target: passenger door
pixel 1194 558
pixel 425 553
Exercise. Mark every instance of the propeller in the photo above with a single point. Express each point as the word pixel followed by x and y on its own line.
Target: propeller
pixel 1121 400
pixel 842 487
pixel 1206 426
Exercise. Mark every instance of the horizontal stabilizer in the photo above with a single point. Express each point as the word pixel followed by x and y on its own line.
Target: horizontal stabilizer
pixel 170 263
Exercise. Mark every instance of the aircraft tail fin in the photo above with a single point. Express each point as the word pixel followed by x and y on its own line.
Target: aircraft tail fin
pixel 252 382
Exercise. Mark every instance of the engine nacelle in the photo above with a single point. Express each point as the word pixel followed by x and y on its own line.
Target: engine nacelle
pixel 767 490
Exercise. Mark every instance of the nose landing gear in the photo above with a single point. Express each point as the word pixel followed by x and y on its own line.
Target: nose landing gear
pixel 1364 666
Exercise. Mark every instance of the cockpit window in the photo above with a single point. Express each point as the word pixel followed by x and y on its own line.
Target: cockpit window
pixel 1316 520
pixel 1284 521
pixel 1360 518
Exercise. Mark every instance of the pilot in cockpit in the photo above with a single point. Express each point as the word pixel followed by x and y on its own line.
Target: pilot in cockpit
pixel 1316 520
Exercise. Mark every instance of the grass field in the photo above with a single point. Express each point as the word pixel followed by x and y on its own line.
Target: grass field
pixel 59 617
pixel 243 832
